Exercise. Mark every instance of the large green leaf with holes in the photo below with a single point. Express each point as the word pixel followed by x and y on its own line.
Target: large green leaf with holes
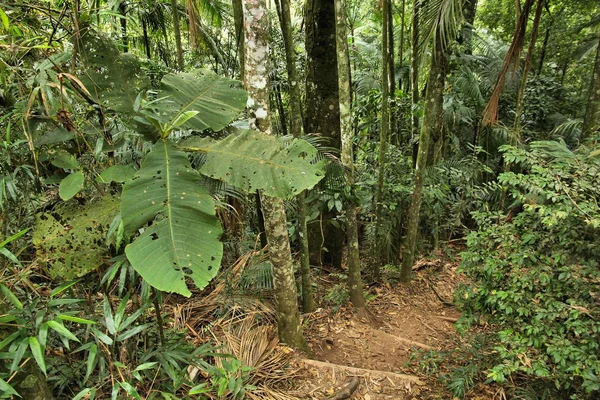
pixel 252 160
pixel 112 78
pixel 218 100
pixel 182 240
pixel 70 241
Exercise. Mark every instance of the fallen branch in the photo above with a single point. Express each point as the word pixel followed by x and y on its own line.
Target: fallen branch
pixel 413 343
pixel 449 319
pixel 354 370
pixel 348 390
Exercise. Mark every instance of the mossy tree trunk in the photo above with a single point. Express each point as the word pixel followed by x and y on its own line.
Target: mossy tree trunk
pixel 414 76
pixel 347 133
pixel 433 122
pixel 296 126
pixel 256 30
pixel 591 121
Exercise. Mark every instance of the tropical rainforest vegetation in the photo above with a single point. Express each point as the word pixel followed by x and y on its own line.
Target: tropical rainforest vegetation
pixel 157 152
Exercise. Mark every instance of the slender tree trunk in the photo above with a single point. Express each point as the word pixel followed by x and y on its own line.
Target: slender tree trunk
pixel 591 121
pixel 256 28
pixel 177 28
pixel 123 22
pixel 433 120
pixel 322 113
pixel 401 42
pixel 466 38
pixel 296 126
pixel 384 132
pixel 238 18
pixel 414 77
pixel 516 137
pixel 354 278
pixel 146 39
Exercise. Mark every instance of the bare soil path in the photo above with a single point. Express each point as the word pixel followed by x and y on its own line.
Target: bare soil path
pixel 400 321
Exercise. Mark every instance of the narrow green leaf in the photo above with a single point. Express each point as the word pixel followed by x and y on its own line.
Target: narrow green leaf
pixel 145 366
pixel 38 353
pixel 132 332
pixel 13 237
pixel 89 392
pixel 8 389
pixel 76 319
pixel 62 331
pixel 19 354
pixel 10 296
pixel 71 185
pixel 90 361
pixel 43 334
pixel 61 288
pixel 130 390
pixel 4 18
pixel 10 339
pixel 199 389
pixel 120 312
pixel 103 337
pixel 108 318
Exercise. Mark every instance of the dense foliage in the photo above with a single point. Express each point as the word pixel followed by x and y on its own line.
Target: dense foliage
pixel 535 272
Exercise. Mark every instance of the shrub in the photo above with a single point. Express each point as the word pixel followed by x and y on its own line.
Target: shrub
pixel 535 273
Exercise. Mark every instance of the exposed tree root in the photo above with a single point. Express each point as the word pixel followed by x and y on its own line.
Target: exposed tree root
pixel 347 391
pixel 354 370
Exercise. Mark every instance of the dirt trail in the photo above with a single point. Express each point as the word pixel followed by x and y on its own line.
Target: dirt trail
pixel 402 320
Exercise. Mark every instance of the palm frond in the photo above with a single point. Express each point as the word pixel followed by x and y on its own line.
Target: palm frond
pixel 442 16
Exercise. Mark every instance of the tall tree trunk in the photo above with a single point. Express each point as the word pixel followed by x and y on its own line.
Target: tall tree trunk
pixel 343 66
pixel 401 43
pixel 466 38
pixel 296 126
pixel 177 28
pixel 238 18
pixel 123 22
pixel 146 39
pixel 591 121
pixel 256 28
pixel 414 77
pixel 384 133
pixel 516 136
pixel 322 114
pixel 433 121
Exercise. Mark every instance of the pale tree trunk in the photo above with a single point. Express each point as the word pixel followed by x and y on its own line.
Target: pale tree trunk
pixel 323 115
pixel 308 301
pixel 384 133
pixel 343 67
pixel 175 11
pixel 256 29
pixel 591 121
pixel 433 120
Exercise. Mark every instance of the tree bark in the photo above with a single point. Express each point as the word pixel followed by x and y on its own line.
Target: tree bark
pixel 296 126
pixel 384 133
pixel 466 38
pixel 343 66
pixel 177 28
pixel 322 114
pixel 123 23
pixel 591 121
pixel 433 120
pixel 238 18
pixel 256 29
pixel 414 77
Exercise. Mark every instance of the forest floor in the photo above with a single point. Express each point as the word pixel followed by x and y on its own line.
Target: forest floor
pixel 394 350
pixel 403 324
